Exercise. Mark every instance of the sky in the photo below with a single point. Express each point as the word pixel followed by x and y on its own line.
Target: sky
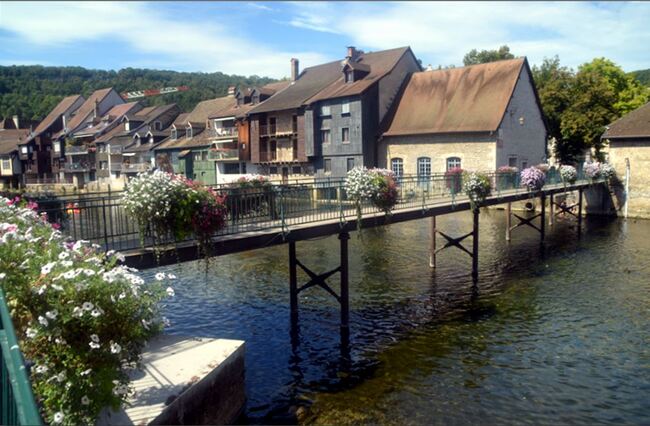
pixel 260 38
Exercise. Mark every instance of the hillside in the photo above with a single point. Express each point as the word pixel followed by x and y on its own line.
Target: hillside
pixel 643 76
pixel 32 91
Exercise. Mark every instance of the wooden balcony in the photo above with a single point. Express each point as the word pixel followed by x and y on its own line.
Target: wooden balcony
pixel 135 168
pixel 224 154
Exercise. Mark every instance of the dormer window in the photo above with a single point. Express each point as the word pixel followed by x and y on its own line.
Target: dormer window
pixel 349 76
pixel 157 125
pixel 174 134
pixel 127 125
pixel 151 139
pixel 189 132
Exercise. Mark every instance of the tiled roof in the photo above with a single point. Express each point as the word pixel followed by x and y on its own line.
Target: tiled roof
pixel 467 99
pixel 111 118
pixel 205 109
pixel 57 112
pixel 87 108
pixel 634 124
pixel 10 138
pixel 200 139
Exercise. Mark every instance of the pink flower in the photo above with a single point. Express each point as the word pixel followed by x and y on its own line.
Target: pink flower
pixel 56 225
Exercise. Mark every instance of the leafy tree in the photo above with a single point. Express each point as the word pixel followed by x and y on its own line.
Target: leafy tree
pixel 642 76
pixel 474 57
pixel 553 83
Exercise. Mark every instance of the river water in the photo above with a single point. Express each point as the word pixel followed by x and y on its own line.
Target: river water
pixel 558 333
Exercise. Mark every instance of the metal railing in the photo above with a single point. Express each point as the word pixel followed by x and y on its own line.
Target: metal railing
pixel 17 404
pixel 223 154
pixel 78 167
pixel 76 149
pixel 136 167
pixel 101 218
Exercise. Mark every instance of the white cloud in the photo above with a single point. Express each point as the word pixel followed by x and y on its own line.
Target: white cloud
pixel 194 43
pixel 442 32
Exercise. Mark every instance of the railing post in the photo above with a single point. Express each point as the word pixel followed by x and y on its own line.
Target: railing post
pixel 432 252
pixel 508 220
pixel 579 209
pixel 345 296
pixel 551 208
pixel 542 224
pixel 475 247
pixel 104 220
pixel 293 281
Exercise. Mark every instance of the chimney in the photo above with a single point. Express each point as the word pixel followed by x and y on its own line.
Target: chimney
pixel 295 69
pixel 352 53
pixel 429 68
pixel 231 91
pixel 96 109
pixel 16 122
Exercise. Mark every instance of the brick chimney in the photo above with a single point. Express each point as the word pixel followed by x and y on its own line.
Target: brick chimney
pixel 231 91
pixel 16 122
pixel 295 69
pixel 352 53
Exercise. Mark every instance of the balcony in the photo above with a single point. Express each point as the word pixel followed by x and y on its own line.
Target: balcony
pixel 225 132
pixel 76 150
pixel 78 167
pixel 135 168
pixel 272 130
pixel 224 154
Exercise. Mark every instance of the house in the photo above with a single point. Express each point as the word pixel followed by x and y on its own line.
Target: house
pixel 478 118
pixel 128 149
pixel 629 152
pixel 87 114
pixel 10 164
pixel 38 151
pixel 327 121
pixel 80 159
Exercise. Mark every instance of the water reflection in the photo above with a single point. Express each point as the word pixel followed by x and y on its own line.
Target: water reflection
pixel 551 332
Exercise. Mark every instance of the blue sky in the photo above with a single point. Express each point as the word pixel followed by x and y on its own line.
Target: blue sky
pixel 261 37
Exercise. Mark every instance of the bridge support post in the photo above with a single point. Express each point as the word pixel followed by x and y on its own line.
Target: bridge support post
pixel 551 208
pixel 344 294
pixel 475 247
pixel 432 254
pixel 542 221
pixel 579 209
pixel 508 220
pixel 293 281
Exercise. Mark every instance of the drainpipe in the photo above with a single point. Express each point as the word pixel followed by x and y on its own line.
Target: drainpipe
pixel 627 186
pixel 110 171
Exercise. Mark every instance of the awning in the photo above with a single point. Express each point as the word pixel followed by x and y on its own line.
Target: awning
pixel 184 152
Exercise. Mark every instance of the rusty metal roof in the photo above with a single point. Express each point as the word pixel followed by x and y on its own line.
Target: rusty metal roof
pixel 467 99
pixel 635 124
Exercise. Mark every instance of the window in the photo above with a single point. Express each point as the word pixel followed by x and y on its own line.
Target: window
pixel 325 135
pixel 197 156
pixel 57 146
pixel 157 125
pixel 524 164
pixel 397 166
pixel 350 164
pixel 294 124
pixel 345 108
pixel 295 149
pixel 274 150
pixel 23 149
pixel 189 132
pixel 243 168
pixel 453 163
pixel 349 76
pixel 272 123
pixel 424 167
pixel 174 134
pixel 345 135
pixel 296 170
pixel 327 165
pixel 230 168
pixel 273 170
pixel 325 111
pixel 512 161
pixel 103 165
pixel 6 164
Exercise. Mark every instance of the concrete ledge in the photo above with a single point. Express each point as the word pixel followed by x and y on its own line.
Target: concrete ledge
pixel 185 380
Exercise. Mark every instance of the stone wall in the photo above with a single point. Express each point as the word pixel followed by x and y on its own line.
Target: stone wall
pixel 475 152
pixel 638 153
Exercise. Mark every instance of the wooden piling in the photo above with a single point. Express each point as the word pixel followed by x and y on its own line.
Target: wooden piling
pixel 432 250
pixel 293 281
pixel 344 295
pixel 475 247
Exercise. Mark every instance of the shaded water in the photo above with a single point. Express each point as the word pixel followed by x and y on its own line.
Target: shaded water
pixel 551 334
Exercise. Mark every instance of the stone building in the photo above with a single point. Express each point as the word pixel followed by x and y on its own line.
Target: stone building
pixel 10 165
pixel 327 121
pixel 477 118
pixel 629 152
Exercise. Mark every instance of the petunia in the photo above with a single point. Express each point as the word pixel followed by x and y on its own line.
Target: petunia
pixel 85 400
pixel 58 417
pixel 94 338
pixel 51 314
pixel 43 321
pixel 160 276
pixel 87 306
pixel 115 348
pixel 170 292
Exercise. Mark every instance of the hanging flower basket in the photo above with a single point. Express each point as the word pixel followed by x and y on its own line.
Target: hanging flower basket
pixel 477 187
pixel 533 178
pixel 454 180
pixel 376 185
pixel 568 173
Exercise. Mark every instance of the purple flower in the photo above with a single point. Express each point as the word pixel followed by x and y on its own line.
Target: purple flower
pixel 533 178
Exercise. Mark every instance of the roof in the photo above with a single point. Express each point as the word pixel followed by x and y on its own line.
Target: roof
pixel 58 111
pixel 109 119
pixel 466 99
pixel 272 88
pixel 632 125
pixel 181 120
pixel 203 110
pixel 200 138
pixel 87 108
pixel 10 138
pixel 234 111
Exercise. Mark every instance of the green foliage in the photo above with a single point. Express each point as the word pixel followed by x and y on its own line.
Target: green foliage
pixel 79 316
pixel 31 92
pixel 642 76
pixel 553 83
pixel 474 57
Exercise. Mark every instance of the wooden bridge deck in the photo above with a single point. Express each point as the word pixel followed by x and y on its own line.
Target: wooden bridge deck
pixel 294 229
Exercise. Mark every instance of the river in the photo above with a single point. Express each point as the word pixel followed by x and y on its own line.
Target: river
pixel 557 333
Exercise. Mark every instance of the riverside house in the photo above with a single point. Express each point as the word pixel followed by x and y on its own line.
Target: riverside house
pixel 478 117
pixel 10 164
pixel 40 149
pixel 327 121
pixel 628 150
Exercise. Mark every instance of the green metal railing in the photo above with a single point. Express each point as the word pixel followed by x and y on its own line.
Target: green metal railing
pixel 17 404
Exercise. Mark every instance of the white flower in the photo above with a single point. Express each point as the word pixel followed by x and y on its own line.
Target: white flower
pixel 47 268
pixel 86 372
pixel 89 272
pixel 68 275
pixel 43 320
pixel 58 417
pixel 2 275
pixel 94 338
pixel 87 306
pixel 31 333
pixel 121 296
pixel 95 313
pixel 85 400
pixel 77 312
pixel 63 255
pixel 57 287
pixel 60 377
pixel 94 345
pixel 171 276
pixel 160 276
pixel 51 314
pixel 170 292
pixel 115 348
pixel 40 369
pixel 41 290
pixel 166 322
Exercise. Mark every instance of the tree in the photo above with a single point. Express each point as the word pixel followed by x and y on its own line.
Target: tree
pixel 474 57
pixel 553 84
